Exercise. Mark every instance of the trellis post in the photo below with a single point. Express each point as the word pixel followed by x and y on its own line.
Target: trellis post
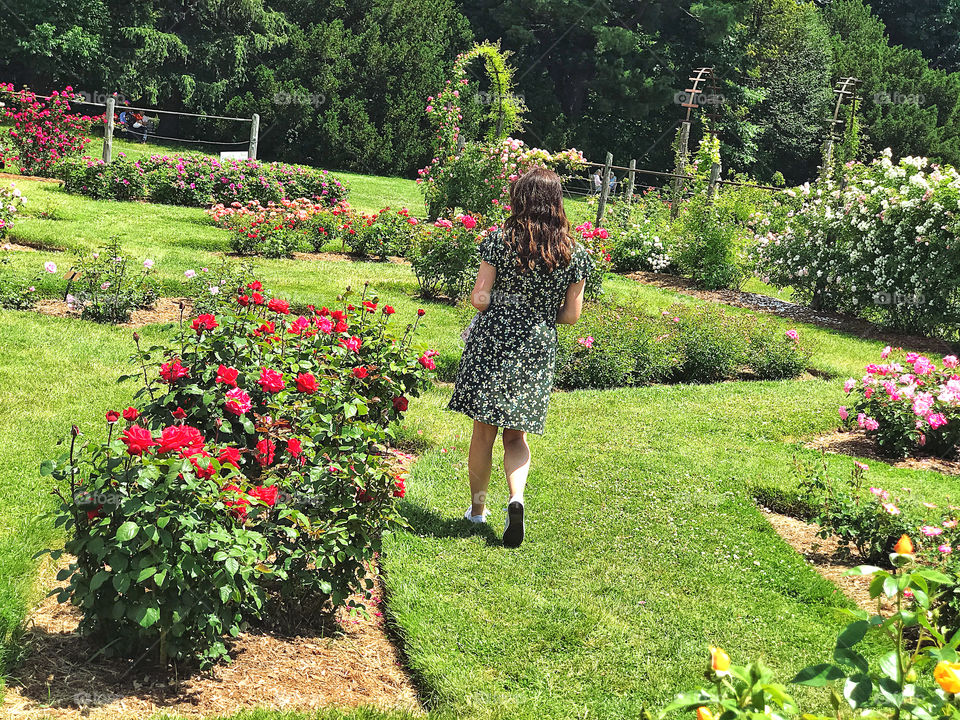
pixel 108 129
pixel 605 190
pixel 681 169
pixel 714 178
pixel 633 181
pixel 254 136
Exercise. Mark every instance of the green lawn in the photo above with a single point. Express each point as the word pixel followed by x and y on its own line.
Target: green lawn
pixel 644 546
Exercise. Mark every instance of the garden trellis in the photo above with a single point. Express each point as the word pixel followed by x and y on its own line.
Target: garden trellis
pixel 110 110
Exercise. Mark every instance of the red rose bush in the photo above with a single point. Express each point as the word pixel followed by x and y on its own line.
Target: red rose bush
pixel 249 482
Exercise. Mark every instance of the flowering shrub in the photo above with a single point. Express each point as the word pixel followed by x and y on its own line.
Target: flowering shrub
pixel 211 289
pixel 710 244
pixel 103 290
pixel 278 229
pixel 44 131
pixel 15 294
pixel 251 479
pixel 614 347
pixel 476 176
pixel 383 234
pixel 879 243
pixel 445 255
pixel 596 243
pixel 641 235
pixel 908 406
pixel 199 180
pixel 11 200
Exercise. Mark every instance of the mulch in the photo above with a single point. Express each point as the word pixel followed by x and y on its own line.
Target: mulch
pixel 348 661
pixel 856 444
pixel 15 177
pixel 17 247
pixel 165 310
pixel 829 558
pixel 344 257
pixel 793 311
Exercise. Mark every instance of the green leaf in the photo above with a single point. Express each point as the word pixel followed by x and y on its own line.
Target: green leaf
pixel 852 634
pixel 232 565
pixel 865 570
pixel 888 665
pixel 818 675
pixel 145 573
pixel 851 658
pixel 127 531
pixel 47 467
pixel 150 616
pixel 99 579
pixel 857 690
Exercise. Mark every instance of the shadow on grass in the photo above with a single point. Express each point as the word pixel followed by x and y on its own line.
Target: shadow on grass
pixel 427 523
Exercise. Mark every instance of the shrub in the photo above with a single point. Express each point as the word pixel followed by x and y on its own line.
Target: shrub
pixel 382 235
pixel 251 481
pixel 11 201
pixel 641 235
pixel 104 291
pixel 14 293
pixel 709 245
pixel 212 289
pixel 44 131
pixel 199 181
pixel 908 406
pixel 773 354
pixel 880 243
pixel 595 241
pixel 445 255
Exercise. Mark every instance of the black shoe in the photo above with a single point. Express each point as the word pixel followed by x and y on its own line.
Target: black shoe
pixel 513 531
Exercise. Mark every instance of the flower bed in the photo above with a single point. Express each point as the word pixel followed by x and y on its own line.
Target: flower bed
pixel 388 233
pixel 250 479
pixel 615 347
pixel 908 406
pixel 198 181
pixel 11 201
pixel 445 255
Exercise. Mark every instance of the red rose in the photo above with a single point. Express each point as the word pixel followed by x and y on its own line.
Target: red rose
pixel 179 413
pixel 238 402
pixel 131 414
pixel 138 440
pixel 295 447
pixel 279 306
pixel 202 472
pixel 229 456
pixel 324 311
pixel 94 514
pixel 427 362
pixel 421 312
pixel 342 326
pixel 307 383
pixel 388 310
pixel 352 344
pixel 370 306
pixel 112 416
pixel 400 404
pixel 255 285
pixel 268 328
pixel 360 372
pixel 257 299
pixel 172 371
pixel 267 494
pixel 264 452
pixel 227 376
pixel 238 503
pixel 399 488
pixel 338 315
pixel 180 437
pixel 271 380
pixel 204 322
pixel 243 300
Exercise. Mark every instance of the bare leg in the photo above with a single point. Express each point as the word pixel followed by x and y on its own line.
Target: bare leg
pixel 516 461
pixel 480 463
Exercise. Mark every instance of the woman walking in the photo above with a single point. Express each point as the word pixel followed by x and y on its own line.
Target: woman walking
pixel 531 278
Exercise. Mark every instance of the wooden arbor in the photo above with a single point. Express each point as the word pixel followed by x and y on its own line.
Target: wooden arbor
pixel 846 96
pixel 704 96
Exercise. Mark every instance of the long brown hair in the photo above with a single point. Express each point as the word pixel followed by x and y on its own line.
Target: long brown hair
pixel 538 229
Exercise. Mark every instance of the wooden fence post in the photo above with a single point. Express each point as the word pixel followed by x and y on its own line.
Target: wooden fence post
pixel 254 136
pixel 633 181
pixel 605 190
pixel 108 130
pixel 683 150
pixel 712 187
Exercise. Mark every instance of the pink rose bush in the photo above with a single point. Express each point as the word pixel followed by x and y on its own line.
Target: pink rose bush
pixel 43 131
pixel 597 243
pixel 252 478
pixel 445 255
pixel 907 403
pixel 11 202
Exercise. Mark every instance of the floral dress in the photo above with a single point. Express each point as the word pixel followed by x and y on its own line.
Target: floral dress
pixel 506 372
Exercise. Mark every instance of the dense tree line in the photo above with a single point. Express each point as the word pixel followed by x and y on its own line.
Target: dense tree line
pixel 343 83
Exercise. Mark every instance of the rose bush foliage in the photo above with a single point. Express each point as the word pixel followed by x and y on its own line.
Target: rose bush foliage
pixel 251 480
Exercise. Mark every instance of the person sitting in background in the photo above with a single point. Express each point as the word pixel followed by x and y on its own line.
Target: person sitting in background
pixel 613 183
pixel 596 183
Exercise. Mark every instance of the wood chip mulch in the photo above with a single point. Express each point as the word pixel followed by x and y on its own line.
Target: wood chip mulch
pixel 793 311
pixel 343 257
pixel 165 310
pixel 35 178
pixel 828 558
pixel 16 247
pixel 856 444
pixel 350 662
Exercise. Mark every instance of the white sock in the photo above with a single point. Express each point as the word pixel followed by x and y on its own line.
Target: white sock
pixel 516 498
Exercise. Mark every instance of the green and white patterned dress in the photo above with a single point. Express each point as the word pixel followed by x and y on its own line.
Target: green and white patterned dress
pixel 506 372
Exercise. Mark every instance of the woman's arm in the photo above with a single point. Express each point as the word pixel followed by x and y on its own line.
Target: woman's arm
pixel 572 306
pixel 486 276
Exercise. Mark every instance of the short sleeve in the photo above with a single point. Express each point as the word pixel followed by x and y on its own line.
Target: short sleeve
pixel 581 265
pixel 491 248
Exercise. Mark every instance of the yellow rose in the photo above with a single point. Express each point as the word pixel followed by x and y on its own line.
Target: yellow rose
pixel 947 675
pixel 719 660
pixel 904 546
pixel 704 713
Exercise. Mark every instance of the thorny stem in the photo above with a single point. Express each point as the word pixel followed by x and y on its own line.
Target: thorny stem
pixel 143 366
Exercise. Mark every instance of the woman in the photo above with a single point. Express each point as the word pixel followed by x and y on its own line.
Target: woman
pixel 531 277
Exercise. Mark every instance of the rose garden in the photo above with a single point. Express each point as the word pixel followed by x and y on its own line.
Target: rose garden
pixel 223 391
